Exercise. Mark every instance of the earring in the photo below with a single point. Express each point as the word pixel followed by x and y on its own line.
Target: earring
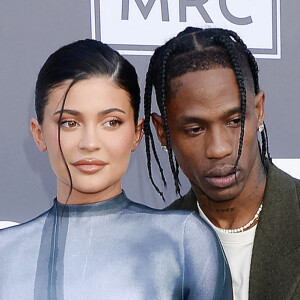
pixel 164 148
pixel 261 128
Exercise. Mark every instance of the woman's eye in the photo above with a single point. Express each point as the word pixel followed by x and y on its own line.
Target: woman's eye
pixel 69 124
pixel 112 123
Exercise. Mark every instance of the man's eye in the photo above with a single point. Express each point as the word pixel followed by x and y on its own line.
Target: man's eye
pixel 113 123
pixel 234 122
pixel 194 130
pixel 69 124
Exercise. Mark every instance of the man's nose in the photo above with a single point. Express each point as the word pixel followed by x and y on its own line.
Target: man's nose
pixel 218 143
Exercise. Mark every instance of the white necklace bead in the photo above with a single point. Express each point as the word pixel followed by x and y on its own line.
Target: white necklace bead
pixel 241 229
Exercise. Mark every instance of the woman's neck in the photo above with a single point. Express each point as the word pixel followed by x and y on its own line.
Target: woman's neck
pixel 79 198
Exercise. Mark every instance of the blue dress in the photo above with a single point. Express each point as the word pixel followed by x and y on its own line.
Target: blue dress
pixel 115 249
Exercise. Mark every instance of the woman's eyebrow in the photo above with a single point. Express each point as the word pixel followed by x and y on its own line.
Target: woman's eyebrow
pixel 77 113
pixel 68 111
pixel 110 110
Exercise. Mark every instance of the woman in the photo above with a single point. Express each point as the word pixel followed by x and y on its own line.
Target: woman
pixel 94 243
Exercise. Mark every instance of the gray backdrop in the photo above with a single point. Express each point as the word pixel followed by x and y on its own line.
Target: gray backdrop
pixel 30 30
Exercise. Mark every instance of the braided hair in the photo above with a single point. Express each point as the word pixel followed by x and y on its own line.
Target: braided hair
pixel 196 49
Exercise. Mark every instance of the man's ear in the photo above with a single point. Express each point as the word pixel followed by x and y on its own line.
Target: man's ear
pixel 159 127
pixel 138 134
pixel 37 134
pixel 259 108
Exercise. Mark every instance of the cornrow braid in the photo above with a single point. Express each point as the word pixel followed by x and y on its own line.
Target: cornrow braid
pixel 167 53
pixel 191 50
pixel 227 43
pixel 265 153
pixel 149 140
pixel 252 62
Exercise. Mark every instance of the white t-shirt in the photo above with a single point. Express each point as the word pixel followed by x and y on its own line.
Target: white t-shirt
pixel 238 250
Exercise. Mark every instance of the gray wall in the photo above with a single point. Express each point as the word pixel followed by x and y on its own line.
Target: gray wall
pixel 30 30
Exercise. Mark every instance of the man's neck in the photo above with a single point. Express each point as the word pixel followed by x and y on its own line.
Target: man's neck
pixel 236 212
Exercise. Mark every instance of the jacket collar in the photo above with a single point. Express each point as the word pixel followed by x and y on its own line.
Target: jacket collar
pixel 279 220
pixel 189 201
pixel 274 273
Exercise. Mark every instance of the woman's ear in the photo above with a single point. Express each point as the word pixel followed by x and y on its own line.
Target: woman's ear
pixel 159 127
pixel 138 134
pixel 37 134
pixel 260 108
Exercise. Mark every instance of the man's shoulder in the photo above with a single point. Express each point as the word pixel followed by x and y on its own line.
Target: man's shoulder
pixel 177 204
pixel 275 171
pixel 278 180
pixel 186 202
pixel 280 218
pixel 277 239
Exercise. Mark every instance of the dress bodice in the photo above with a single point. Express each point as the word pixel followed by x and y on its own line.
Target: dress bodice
pixel 115 249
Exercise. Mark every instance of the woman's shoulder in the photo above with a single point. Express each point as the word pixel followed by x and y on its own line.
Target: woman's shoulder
pixel 27 228
pixel 145 210
pixel 183 217
pixel 6 224
pixel 199 248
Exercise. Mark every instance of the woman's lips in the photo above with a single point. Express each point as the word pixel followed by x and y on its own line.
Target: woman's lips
pixel 89 166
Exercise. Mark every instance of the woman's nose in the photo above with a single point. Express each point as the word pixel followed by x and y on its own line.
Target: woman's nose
pixel 90 139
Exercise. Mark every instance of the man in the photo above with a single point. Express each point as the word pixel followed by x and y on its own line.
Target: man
pixel 207 89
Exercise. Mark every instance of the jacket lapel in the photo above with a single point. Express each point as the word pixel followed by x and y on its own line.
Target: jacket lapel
pixel 275 259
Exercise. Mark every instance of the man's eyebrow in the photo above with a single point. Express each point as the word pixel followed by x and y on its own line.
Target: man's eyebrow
pixel 232 111
pixel 190 119
pixel 194 119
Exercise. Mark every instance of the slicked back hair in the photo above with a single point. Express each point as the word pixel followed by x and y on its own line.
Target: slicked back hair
pixel 197 49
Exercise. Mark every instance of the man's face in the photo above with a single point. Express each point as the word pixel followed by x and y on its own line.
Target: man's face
pixel 204 119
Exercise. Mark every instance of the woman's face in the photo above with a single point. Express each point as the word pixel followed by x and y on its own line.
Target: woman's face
pixel 98 135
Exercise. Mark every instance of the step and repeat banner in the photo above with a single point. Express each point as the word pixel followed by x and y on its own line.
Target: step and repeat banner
pixel 140 26
pixel 31 30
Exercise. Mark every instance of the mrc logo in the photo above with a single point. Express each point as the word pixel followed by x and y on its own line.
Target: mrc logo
pixel 139 26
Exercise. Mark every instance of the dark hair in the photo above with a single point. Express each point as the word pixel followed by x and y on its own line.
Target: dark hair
pixel 81 60
pixel 192 50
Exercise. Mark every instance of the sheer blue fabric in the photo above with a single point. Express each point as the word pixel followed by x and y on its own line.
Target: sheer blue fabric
pixel 115 249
